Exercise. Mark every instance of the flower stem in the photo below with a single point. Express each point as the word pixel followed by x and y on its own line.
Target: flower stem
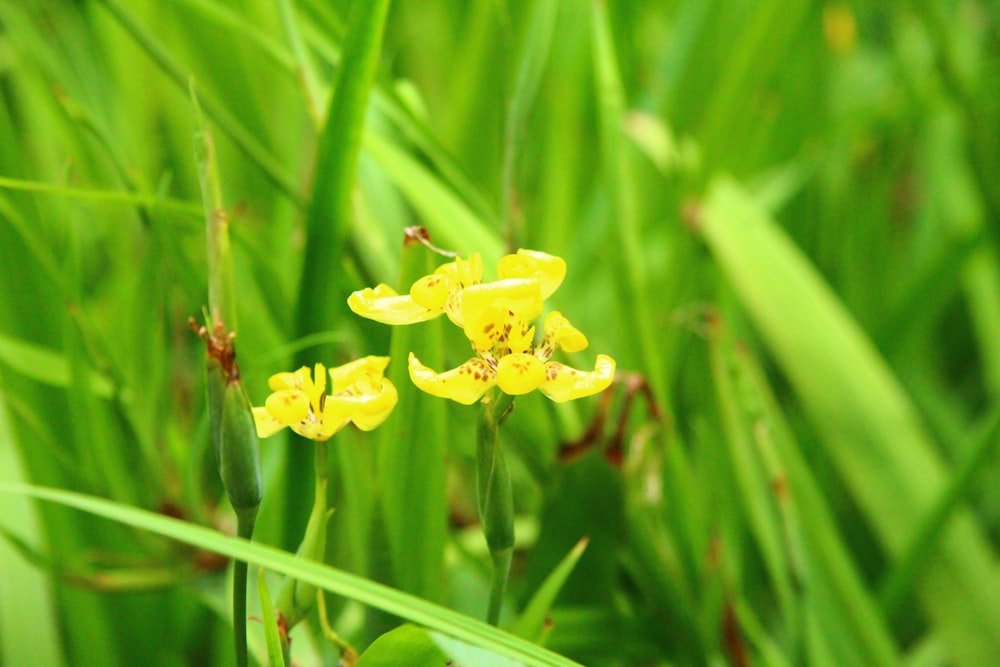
pixel 297 598
pixel 495 499
pixel 245 521
pixel 498 582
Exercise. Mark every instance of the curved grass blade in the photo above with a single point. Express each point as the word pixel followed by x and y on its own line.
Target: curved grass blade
pixel 273 640
pixel 818 561
pixel 438 618
pixel 29 621
pixel 531 623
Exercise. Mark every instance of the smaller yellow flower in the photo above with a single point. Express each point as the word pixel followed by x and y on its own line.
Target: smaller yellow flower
pixel 359 394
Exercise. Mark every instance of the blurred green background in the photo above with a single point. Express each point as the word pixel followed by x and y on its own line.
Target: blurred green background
pixel 779 217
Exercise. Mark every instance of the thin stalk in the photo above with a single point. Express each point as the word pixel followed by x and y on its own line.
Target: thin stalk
pixel 245 521
pixel 297 598
pixel 501 559
pixel 221 304
pixel 495 498
pixel 186 211
pixel 233 431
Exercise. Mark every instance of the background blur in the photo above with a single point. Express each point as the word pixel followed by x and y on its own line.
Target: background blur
pixel 779 217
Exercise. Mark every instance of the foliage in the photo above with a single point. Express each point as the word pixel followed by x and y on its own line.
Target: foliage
pixel 779 218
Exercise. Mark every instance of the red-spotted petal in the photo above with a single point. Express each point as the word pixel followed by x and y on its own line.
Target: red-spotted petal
pixel 465 384
pixel 520 373
pixel 266 423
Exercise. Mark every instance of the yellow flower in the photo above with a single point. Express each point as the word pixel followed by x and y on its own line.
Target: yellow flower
pixel 359 394
pixel 495 317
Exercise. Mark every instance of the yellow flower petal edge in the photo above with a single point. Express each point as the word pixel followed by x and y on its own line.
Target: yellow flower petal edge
pixel 344 376
pixel 366 410
pixel 566 384
pixel 465 384
pixel 548 270
pixel 266 423
pixel 559 332
pixel 384 305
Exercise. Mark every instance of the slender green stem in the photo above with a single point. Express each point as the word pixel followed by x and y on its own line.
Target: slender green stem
pixel 297 598
pixel 498 582
pixel 495 498
pixel 244 528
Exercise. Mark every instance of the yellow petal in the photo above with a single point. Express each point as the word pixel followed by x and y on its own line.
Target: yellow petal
pixel 431 291
pixel 465 384
pixel 464 272
pixel 458 275
pixel 384 305
pixel 288 406
pixel 366 410
pixel 266 423
pixel 558 331
pixel 286 380
pixel 482 303
pixel 486 327
pixel 520 373
pixel 521 337
pixel 312 430
pixel 548 270
pixel 344 376
pixel 565 384
pixel 377 410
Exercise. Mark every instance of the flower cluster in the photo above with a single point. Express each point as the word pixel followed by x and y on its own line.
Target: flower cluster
pixel 496 317
pixel 359 395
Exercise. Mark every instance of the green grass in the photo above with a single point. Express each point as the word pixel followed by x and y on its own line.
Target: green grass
pixel 778 217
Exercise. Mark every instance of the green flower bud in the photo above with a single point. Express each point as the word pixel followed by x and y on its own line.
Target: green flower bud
pixel 234 431
pixel 239 458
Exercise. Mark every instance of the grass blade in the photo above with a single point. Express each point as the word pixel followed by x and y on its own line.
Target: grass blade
pixel 29 624
pixel 328 217
pixel 869 426
pixel 336 581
